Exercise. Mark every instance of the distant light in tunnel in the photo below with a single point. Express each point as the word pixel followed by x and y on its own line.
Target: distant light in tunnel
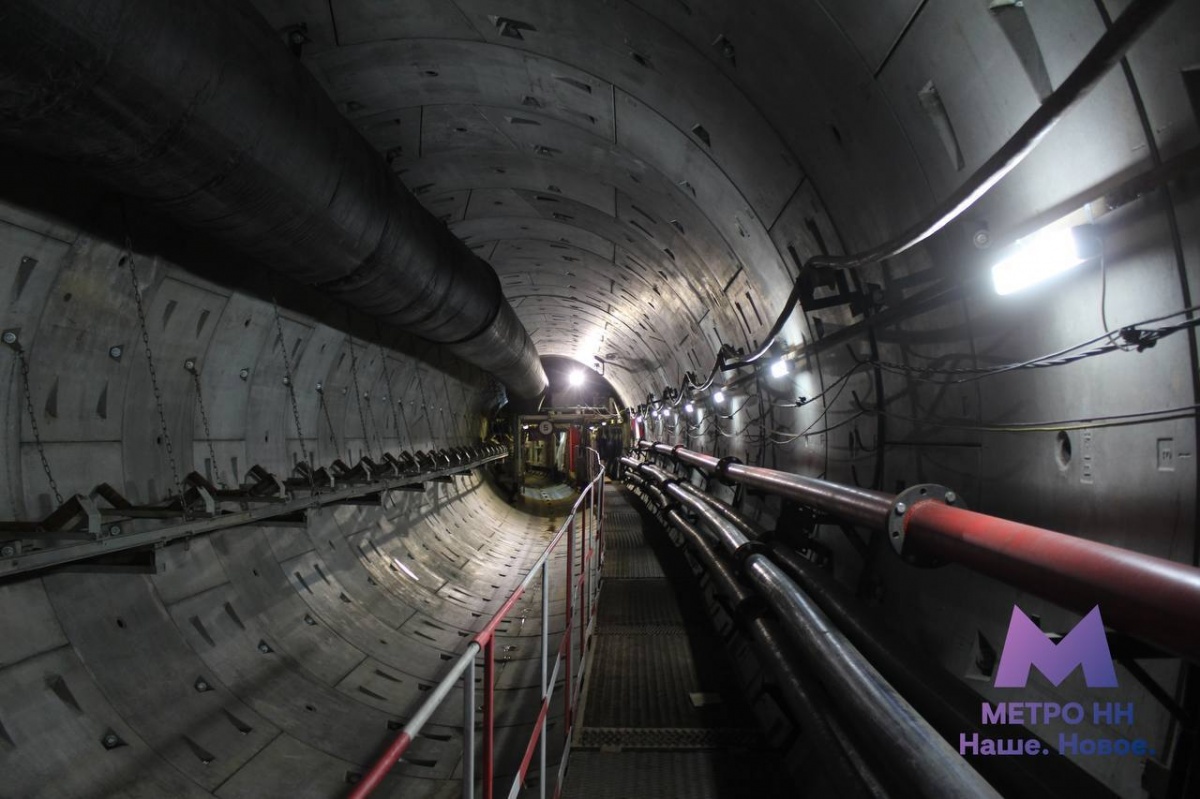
pixel 780 368
pixel 1043 255
pixel 575 378
pixel 719 397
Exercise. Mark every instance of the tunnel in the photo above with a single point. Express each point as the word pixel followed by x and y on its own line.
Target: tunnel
pixel 599 398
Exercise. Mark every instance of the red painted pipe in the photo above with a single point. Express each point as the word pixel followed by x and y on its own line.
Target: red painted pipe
pixel 1152 598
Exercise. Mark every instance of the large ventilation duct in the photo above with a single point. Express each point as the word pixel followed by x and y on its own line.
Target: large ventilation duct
pixel 199 110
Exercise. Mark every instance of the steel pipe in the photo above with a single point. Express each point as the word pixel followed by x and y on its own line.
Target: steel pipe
pixel 199 111
pixel 856 505
pixel 894 730
pixel 841 759
pixel 1151 598
pixel 1154 599
pixel 945 702
pixel 877 711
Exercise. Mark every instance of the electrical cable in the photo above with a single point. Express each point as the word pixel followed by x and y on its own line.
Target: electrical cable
pixel 1112 420
pixel 1103 55
pixel 1132 337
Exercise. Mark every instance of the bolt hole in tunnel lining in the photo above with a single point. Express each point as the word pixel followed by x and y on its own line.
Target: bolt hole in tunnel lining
pixel 1062 449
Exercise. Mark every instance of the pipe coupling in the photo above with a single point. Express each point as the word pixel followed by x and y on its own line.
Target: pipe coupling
pixel 897 522
pixel 722 470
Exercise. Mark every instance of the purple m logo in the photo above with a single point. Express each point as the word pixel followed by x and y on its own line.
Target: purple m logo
pixel 1026 646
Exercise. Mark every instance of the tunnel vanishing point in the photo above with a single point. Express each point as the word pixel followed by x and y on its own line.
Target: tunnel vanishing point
pixel 599 398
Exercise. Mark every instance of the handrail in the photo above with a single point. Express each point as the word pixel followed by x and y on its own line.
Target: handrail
pixel 1148 597
pixel 589 505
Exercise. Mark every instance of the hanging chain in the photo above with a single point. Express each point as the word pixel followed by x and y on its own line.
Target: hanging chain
pixel 407 429
pixel 448 430
pixel 291 387
pixel 328 421
pixel 469 434
pixel 127 260
pixel 362 420
pixel 425 406
pixel 37 435
pixel 387 379
pixel 190 365
pixel 374 423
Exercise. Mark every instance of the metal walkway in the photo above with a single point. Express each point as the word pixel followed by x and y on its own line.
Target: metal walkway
pixel 662 716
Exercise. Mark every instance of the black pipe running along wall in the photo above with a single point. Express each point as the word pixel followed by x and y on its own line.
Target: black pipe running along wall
pixel 199 110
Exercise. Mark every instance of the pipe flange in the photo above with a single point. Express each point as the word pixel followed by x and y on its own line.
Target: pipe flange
pixel 742 553
pixel 898 517
pixel 675 452
pixel 722 470
pixel 748 610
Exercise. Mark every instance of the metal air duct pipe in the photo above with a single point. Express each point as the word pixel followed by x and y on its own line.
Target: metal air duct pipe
pixel 199 111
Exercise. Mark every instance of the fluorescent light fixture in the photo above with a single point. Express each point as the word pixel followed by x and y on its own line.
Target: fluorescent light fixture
pixel 575 378
pixel 780 368
pixel 405 569
pixel 719 397
pixel 1041 256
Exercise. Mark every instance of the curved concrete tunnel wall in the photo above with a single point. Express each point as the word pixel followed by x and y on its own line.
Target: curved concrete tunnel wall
pixel 639 174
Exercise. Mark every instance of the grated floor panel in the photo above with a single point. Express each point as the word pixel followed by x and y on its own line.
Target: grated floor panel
pixel 668 775
pixel 662 715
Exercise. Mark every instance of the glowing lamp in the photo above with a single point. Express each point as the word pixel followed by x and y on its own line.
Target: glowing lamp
pixel 1043 255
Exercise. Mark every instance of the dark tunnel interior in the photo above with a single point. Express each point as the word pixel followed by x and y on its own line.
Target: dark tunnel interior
pixel 317 315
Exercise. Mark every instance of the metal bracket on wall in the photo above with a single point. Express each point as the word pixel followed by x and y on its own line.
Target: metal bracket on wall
pixel 81 530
